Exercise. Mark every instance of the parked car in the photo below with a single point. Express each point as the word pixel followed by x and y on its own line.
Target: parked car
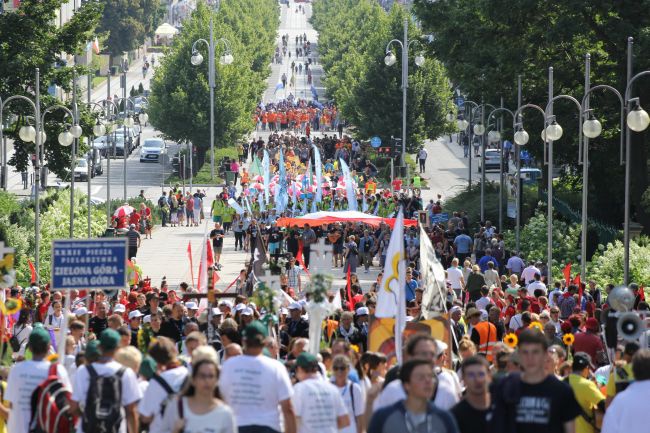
pixel 81 166
pixel 153 149
pixel 492 160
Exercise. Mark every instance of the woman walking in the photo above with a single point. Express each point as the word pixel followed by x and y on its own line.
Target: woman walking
pixel 198 409
pixel 351 256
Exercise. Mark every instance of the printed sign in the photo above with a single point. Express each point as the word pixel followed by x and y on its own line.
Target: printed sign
pixel 89 264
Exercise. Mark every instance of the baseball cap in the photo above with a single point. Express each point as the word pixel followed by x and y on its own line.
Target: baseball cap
pixel 225 303
pixel 284 311
pixel 239 307
pixel 581 360
pixel 441 347
pixel 135 314
pixel 295 306
pixel 191 305
pixel 216 312
pixel 247 311
pixel 109 339
pixel 455 309
pixel 39 335
pixel 132 226
pixel 362 311
pixel 306 360
pixel 119 308
pixel 80 311
pixel 147 319
pixel 254 329
pixel 148 367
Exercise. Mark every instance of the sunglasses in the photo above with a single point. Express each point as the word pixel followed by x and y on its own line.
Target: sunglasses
pixel 339 368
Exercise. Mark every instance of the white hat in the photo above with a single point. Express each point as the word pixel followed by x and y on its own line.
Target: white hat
pixel 284 311
pixel 362 311
pixel 191 305
pixel 216 312
pixel 247 311
pixel 147 319
pixel 240 307
pixel 135 314
pixel 454 309
pixel 80 311
pixel 441 347
pixel 295 306
pixel 226 303
pixel 119 308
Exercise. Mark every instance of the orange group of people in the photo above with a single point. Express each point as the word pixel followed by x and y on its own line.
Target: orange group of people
pixel 297 118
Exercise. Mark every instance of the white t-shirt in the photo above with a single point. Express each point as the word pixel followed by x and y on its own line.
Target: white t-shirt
pixel 130 388
pixel 253 386
pixel 454 275
pixel 534 286
pixel 482 302
pixel 317 405
pixel 152 400
pixel 515 322
pixel 528 274
pixel 221 419
pixel 355 409
pixel 24 378
pixel 446 396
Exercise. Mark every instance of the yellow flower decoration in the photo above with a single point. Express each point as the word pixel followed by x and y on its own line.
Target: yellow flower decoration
pixel 52 357
pixel 568 339
pixel 511 340
pixel 11 306
pixel 537 325
pixel 354 347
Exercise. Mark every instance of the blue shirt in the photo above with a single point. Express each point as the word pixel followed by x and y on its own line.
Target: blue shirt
pixel 483 263
pixel 463 243
pixel 410 290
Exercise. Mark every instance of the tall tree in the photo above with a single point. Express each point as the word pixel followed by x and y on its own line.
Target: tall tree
pixel 126 24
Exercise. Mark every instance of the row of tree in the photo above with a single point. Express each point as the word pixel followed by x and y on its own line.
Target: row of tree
pixel 179 105
pixel 353 36
pixel 486 44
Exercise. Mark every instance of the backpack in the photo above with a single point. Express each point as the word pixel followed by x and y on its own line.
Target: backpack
pixel 168 389
pixel 50 404
pixel 102 413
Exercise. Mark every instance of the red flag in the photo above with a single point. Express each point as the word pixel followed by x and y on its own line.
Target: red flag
pixel 32 271
pixel 642 293
pixel 299 255
pixel 567 273
pixel 349 287
pixel 189 254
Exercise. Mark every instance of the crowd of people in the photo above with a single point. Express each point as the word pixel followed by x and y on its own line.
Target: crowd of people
pixel 518 355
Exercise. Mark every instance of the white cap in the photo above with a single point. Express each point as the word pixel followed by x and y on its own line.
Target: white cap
pixel 135 314
pixel 240 307
pixel 441 346
pixel 362 311
pixel 119 308
pixel 216 312
pixel 147 319
pixel 295 306
pixel 454 309
pixel 247 311
pixel 80 311
pixel 226 303
pixel 191 305
pixel 284 311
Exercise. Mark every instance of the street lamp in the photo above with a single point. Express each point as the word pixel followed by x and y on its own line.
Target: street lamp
pixel 521 137
pixel 637 119
pixel 225 59
pixel 390 59
pixel 479 129
pixel 495 136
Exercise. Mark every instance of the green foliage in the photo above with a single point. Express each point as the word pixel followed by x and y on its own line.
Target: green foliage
pixel 127 22
pixel 533 236
pixel 202 177
pixel 179 105
pixel 352 39
pixel 486 44
pixel 607 264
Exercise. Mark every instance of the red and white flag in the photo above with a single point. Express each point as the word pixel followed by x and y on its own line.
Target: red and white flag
pixel 205 266
pixel 95 45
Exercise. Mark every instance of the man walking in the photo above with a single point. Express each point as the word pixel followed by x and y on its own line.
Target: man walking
pixel 134 241
pixel 422 159
pixel 163 208
pixel 472 411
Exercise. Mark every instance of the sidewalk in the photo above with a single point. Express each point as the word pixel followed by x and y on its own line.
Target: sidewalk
pixel 133 78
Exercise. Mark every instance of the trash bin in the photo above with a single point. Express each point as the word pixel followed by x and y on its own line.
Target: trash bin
pixel 113 70
pixel 230 177
pixel 109 233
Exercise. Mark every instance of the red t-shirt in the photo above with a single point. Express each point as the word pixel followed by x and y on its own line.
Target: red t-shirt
pixel 397 184
pixel 589 343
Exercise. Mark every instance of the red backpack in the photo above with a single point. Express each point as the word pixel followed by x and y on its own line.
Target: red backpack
pixel 51 406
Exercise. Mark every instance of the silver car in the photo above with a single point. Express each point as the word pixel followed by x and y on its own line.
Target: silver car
pixel 492 160
pixel 153 149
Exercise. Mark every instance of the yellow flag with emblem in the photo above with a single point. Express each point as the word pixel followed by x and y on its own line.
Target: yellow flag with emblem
pixel 391 295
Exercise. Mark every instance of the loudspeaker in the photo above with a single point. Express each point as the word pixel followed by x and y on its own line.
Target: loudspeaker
pixel 621 299
pixel 630 326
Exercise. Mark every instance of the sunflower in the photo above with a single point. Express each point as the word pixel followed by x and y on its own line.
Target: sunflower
pixel 568 339
pixel 52 357
pixel 354 347
pixel 511 340
pixel 537 325
pixel 11 306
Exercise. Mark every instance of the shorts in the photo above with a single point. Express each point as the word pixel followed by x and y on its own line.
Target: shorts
pixel 217 250
pixel 216 218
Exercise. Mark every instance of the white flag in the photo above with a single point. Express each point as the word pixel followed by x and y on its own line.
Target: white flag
pixel 433 277
pixel 391 295
pixel 349 186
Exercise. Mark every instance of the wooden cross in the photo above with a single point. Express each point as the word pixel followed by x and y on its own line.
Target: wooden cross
pixel 318 258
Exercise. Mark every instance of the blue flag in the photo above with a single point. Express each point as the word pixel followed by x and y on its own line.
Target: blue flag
pixel 266 166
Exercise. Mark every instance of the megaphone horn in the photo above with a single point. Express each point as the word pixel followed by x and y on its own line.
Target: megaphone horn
pixel 630 326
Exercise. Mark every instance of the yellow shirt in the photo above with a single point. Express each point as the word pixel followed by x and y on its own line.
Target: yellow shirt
pixel 588 396
pixel 611 383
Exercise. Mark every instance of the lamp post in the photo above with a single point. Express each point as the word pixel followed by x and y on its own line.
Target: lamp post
pixel 128 122
pixel 479 129
pixel 463 125
pixel 553 132
pixel 637 121
pixel 496 136
pixel 390 60
pixel 76 132
pixel 99 130
pixel 107 130
pixel 226 59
